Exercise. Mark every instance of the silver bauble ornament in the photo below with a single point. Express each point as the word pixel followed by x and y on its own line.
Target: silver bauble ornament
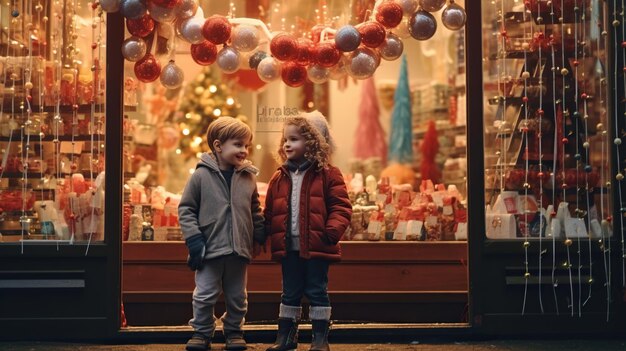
pixel 422 25
pixel 408 6
pixel 453 16
pixel 132 9
pixel 392 48
pixel 228 60
pixel 172 76
pixel 245 38
pixel 191 30
pixel 317 74
pixel 134 48
pixel 268 69
pixel 186 9
pixel 432 5
pixel 110 5
pixel 161 14
pixel 347 38
pixel 362 63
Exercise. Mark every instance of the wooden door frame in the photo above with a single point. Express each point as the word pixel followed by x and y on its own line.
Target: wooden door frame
pixel 114 170
pixel 475 160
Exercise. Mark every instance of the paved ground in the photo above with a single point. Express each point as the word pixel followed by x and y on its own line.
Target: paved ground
pixel 504 345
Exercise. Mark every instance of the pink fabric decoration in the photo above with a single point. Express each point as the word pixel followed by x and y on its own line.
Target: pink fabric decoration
pixel 370 139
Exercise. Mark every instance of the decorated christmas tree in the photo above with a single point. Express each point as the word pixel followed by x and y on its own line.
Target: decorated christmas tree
pixel 205 99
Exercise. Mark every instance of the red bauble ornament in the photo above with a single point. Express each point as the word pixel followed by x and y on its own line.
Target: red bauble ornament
pixel 166 3
pixel 293 74
pixel 284 47
pixel 216 29
pixel 141 26
pixel 148 69
pixel 305 51
pixel 204 53
pixel 326 54
pixel 389 14
pixel 372 34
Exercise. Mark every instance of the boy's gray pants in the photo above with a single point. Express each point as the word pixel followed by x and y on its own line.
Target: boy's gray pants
pixel 226 274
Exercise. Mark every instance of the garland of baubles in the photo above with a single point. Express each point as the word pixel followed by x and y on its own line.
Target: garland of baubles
pixel 323 53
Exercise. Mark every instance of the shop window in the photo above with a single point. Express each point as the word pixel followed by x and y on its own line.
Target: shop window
pixel 393 200
pixel 400 144
pixel 547 171
pixel 52 123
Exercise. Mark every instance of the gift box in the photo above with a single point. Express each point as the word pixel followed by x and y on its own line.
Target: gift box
pixel 171 213
pixel 414 230
pixel 461 231
pixel 360 220
pixel 575 228
pixel 506 202
pixel 376 226
pixel 432 227
pixel 501 226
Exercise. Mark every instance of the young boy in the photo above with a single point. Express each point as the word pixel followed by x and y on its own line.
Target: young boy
pixel 222 224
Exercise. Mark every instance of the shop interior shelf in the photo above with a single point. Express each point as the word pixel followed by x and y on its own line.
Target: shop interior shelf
pixel 34 175
pixel 18 106
pixel 35 138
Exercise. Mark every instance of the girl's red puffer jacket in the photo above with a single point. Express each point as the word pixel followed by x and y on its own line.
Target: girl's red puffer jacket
pixel 325 213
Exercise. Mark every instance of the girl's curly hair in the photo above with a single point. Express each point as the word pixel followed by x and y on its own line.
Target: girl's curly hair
pixel 316 148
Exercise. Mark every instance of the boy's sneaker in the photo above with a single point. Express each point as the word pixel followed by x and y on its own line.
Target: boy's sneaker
pixel 198 342
pixel 235 341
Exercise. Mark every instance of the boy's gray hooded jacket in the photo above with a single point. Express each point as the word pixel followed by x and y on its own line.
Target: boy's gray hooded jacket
pixel 229 221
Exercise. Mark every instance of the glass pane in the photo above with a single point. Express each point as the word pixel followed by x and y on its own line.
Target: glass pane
pixel 165 131
pixel 52 122
pixel 546 152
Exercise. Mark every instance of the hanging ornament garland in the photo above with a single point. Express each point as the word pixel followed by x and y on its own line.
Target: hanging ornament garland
pixel 325 53
pixel 605 173
pixel 526 211
pixel 559 106
pixel 546 145
pixel 617 25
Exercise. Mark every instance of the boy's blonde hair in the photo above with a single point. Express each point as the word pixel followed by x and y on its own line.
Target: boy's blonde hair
pixel 316 147
pixel 225 128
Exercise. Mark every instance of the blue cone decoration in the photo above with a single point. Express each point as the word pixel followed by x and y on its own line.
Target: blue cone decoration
pixel 401 136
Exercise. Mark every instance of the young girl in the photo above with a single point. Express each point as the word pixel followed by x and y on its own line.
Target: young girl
pixel 306 212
